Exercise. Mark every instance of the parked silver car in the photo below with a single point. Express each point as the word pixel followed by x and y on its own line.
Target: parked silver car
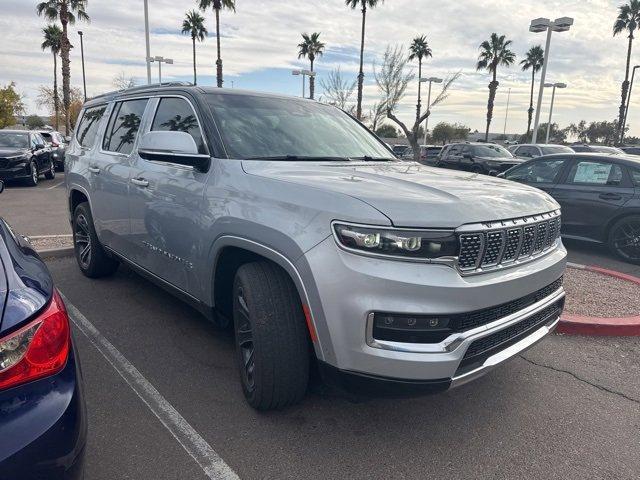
pixel 289 220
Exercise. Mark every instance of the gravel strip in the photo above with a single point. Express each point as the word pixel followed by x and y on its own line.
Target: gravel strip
pixel 598 295
pixel 49 243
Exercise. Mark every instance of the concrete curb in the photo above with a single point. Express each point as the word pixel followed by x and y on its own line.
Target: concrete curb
pixel 56 252
pixel 614 327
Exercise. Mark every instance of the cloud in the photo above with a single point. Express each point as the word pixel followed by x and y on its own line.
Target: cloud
pixel 260 39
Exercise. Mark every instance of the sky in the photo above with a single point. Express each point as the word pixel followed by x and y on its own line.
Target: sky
pixel 259 50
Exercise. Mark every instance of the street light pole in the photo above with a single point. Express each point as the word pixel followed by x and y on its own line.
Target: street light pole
pixel 146 37
pixel 506 115
pixel 431 81
pixel 161 60
pixel 553 97
pixel 84 78
pixel 626 111
pixel 304 73
pixel 539 25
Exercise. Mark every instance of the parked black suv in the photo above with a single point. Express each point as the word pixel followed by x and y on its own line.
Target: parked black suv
pixel 486 158
pixel 24 156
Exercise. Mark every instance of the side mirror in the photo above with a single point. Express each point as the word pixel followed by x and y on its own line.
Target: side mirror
pixel 500 175
pixel 1 186
pixel 173 147
pixel 40 146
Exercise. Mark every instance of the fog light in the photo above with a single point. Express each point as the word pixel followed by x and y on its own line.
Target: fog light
pixel 410 328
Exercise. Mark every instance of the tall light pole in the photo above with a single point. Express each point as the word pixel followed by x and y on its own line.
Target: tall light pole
pixel 506 115
pixel 146 37
pixel 626 111
pixel 553 97
pixel 539 25
pixel 304 73
pixel 84 78
pixel 431 81
pixel 161 60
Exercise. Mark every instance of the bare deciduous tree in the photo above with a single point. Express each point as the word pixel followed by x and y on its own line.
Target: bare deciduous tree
pixel 122 81
pixel 337 90
pixel 393 81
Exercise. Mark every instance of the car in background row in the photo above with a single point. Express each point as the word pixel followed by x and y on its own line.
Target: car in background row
pixel 400 150
pixel 428 154
pixel 58 144
pixel 526 151
pixel 631 150
pixel 25 155
pixel 599 196
pixel 43 424
pixel 588 148
pixel 485 158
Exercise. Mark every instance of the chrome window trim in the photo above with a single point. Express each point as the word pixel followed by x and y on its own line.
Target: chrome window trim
pixel 460 339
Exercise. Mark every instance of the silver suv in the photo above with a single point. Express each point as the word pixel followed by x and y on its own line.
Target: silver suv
pixel 290 222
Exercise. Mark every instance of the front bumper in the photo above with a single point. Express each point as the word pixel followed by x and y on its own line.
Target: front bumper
pixel 43 427
pixel 345 289
pixel 15 172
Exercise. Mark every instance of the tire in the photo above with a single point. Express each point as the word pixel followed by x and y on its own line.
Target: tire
pixel 51 173
pixel 624 239
pixel 32 181
pixel 477 169
pixel 94 262
pixel 272 344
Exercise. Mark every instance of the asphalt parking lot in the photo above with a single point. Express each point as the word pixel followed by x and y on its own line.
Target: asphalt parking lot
pixel 569 408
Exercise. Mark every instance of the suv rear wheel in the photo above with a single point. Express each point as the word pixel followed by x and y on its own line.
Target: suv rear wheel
pixel 271 338
pixel 624 239
pixel 91 257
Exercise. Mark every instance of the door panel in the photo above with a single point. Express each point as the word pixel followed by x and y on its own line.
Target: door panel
pixel 110 169
pixel 166 203
pixel 591 195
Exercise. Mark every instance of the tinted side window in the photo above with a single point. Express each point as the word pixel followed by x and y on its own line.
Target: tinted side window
pixel 88 127
pixel 528 152
pixel 123 126
pixel 595 173
pixel 454 150
pixel 543 171
pixel 635 176
pixel 175 114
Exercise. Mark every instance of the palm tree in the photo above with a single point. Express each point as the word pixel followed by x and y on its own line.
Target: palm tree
pixel 311 47
pixel 419 49
pixel 218 5
pixel 534 58
pixel 364 4
pixel 628 20
pixel 52 41
pixel 493 53
pixel 67 11
pixel 193 24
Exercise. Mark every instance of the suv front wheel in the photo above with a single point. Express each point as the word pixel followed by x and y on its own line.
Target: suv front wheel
pixel 271 337
pixel 91 257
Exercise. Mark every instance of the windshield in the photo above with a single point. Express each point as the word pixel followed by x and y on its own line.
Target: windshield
pixel 556 149
pixel 491 151
pixel 255 127
pixel 14 140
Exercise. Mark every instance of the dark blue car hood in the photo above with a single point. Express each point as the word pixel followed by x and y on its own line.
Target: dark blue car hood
pixel 25 284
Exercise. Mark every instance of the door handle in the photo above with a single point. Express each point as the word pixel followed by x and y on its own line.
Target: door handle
pixel 610 196
pixel 141 182
pixel 95 170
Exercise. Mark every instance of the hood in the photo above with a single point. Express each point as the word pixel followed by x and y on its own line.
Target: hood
pixel 413 195
pixel 11 152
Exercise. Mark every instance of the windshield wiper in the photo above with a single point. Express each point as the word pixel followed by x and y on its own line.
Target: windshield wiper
pixel 367 158
pixel 294 158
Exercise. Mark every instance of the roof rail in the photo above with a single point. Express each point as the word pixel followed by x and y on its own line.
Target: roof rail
pixel 144 87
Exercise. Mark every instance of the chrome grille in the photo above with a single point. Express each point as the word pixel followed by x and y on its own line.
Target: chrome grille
pixel 498 244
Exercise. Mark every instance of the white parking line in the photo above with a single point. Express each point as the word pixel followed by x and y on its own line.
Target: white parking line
pixel 211 463
pixel 55 186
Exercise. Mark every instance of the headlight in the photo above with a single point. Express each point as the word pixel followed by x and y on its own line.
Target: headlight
pixel 392 242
